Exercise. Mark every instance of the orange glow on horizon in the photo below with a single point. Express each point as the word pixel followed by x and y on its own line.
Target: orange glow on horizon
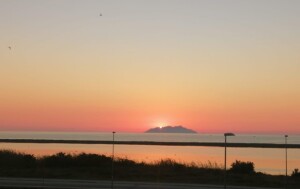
pixel 132 70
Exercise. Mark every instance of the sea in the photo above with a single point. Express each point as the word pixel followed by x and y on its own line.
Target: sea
pixel 266 160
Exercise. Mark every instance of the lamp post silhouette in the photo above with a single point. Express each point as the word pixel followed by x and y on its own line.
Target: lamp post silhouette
pixel 112 160
pixel 225 161
pixel 286 165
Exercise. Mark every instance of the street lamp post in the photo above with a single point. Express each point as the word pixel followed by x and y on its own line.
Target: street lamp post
pixel 225 161
pixel 286 166
pixel 112 161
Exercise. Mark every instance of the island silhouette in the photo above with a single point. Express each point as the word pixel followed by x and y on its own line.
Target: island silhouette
pixel 170 129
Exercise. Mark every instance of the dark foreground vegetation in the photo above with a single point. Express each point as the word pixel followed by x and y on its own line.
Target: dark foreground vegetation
pixel 94 166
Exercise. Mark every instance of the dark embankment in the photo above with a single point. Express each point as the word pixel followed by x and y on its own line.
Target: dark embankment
pixel 212 144
pixel 94 166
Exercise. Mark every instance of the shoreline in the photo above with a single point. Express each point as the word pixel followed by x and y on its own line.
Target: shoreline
pixel 204 144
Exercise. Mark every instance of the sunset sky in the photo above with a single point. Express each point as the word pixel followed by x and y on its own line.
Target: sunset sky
pixel 212 66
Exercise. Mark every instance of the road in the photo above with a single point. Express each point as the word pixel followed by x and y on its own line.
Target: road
pixel 94 184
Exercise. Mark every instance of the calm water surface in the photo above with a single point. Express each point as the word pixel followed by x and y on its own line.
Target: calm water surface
pixel 266 160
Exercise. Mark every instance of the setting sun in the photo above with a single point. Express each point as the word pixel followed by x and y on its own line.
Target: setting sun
pixel 161 124
pixel 149 94
pixel 132 68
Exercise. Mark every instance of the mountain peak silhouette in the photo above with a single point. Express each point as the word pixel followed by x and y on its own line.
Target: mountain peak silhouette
pixel 170 129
